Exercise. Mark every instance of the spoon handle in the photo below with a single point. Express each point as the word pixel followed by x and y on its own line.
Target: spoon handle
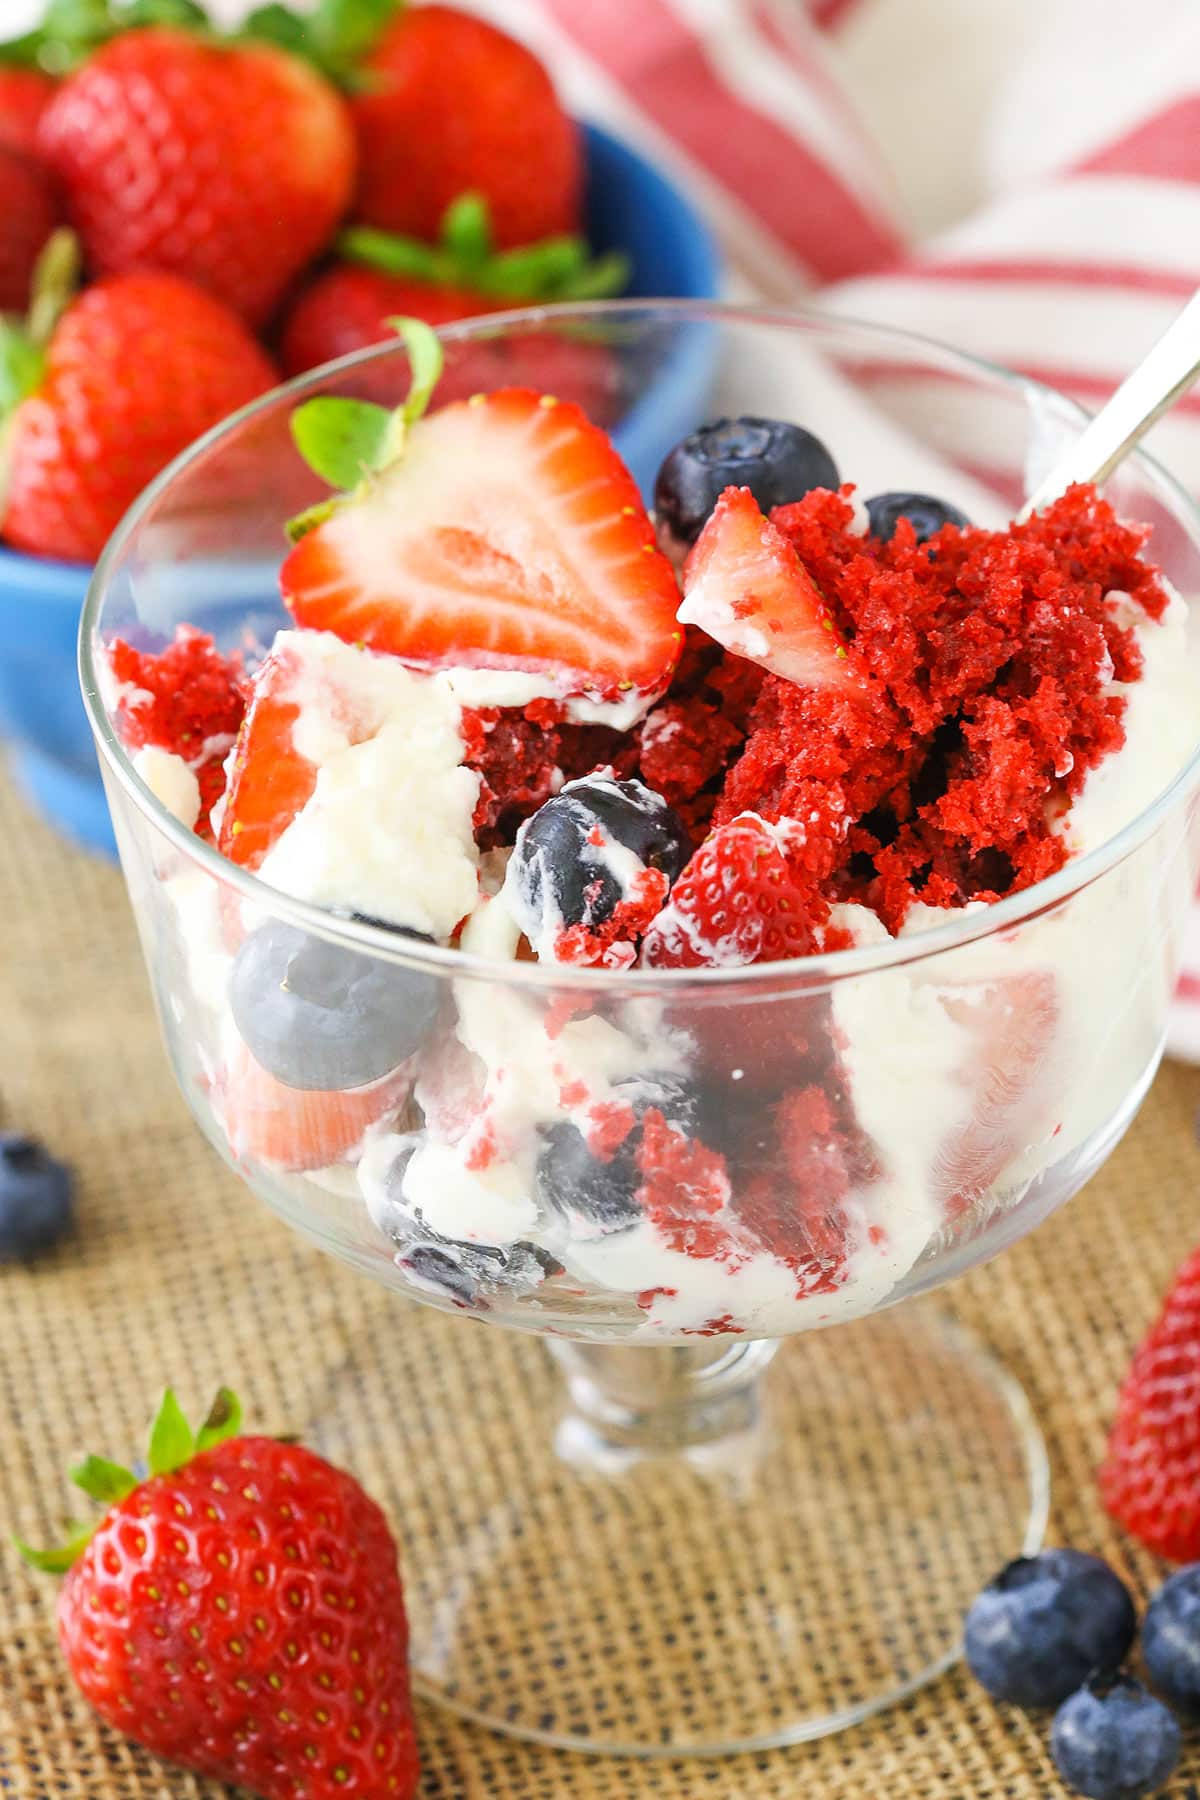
pixel 1159 379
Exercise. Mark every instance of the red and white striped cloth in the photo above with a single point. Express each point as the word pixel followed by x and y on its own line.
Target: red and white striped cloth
pixel 1082 251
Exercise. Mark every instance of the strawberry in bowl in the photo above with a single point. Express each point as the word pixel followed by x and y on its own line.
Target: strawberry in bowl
pixel 309 233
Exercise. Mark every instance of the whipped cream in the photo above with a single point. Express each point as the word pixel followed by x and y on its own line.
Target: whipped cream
pixel 171 780
pixel 515 687
pixel 535 1071
pixel 1162 728
pixel 387 830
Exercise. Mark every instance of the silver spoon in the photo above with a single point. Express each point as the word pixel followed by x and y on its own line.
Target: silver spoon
pixel 1165 373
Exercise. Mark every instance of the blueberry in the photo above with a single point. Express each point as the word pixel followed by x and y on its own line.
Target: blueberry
pixel 560 874
pixel 777 461
pixel 1171 1638
pixel 35 1198
pixel 467 1273
pixel 1045 1623
pixel 596 1196
pixel 924 513
pixel 318 1016
pixel 471 1274
pixel 1113 1741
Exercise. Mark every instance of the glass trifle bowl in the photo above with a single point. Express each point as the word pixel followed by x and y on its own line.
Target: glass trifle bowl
pixel 668 1511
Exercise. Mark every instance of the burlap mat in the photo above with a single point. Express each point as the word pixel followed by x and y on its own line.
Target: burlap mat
pixel 177 1273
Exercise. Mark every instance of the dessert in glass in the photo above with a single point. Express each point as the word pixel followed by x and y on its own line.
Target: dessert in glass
pixel 671 935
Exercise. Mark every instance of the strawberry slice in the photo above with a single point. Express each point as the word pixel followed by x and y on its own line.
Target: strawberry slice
pixel 507 535
pixel 309 690
pixel 269 780
pixel 738 901
pixel 1010 1023
pixel 745 586
pixel 295 1128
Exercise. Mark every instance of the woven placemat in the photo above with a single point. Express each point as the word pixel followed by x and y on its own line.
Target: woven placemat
pixel 176 1273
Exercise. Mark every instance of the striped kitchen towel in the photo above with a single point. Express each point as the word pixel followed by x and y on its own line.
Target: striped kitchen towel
pixel 1085 246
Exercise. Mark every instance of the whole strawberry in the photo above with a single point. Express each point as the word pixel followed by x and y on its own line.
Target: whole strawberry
pixel 135 369
pixel 240 1612
pixel 449 103
pixel 24 97
pixel 1150 1480
pixel 384 275
pixel 228 163
pixel 348 306
pixel 29 212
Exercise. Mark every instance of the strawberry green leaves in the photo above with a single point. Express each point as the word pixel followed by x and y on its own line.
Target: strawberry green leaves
pixel 23 342
pixel 425 359
pixel 58 1560
pixel 172 1444
pixel 224 1421
pixel 103 1481
pixel 55 280
pixel 341 440
pixel 347 441
pixel 22 364
pixel 172 1440
pixel 72 29
pixel 556 269
pixel 335 36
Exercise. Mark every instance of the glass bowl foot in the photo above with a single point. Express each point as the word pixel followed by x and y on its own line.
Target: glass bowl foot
pixel 698 1551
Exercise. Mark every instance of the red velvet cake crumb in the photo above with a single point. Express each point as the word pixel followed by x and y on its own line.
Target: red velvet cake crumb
pixel 991 655
pixel 524 755
pixel 612 944
pixel 609 1124
pixel 690 738
pixel 516 756
pixel 188 699
pixel 685 1190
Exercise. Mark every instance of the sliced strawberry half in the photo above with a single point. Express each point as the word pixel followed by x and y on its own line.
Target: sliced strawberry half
pixel 745 586
pixel 269 780
pixel 1010 1024
pixel 293 1128
pixel 509 534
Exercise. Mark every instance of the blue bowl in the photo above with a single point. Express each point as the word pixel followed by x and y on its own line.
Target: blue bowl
pixel 629 205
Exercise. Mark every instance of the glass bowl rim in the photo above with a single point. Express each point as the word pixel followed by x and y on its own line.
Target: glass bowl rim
pixel 967 925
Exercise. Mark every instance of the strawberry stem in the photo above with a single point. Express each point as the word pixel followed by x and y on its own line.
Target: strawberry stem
pixel 103 1481
pixel 334 37
pixel 347 441
pixel 58 1560
pixel 467 230
pixel 23 343
pixel 555 268
pixel 72 29
pixel 172 1444
pixel 224 1420
pixel 172 1441
pixel 55 280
